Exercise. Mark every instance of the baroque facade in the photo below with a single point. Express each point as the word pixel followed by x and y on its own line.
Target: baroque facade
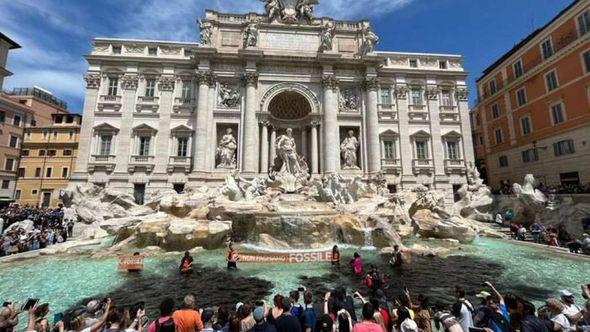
pixel 164 115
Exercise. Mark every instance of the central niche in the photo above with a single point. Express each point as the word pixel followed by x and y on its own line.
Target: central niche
pixel 289 105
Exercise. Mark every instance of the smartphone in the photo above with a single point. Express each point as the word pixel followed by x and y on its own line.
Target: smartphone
pixel 57 317
pixel 144 321
pixel 29 304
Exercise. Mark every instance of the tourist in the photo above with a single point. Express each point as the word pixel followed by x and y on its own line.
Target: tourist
pixel 423 316
pixel 234 323
pixel 186 264
pixel 232 258
pixel 584 322
pixel 276 311
pixel 570 309
pixel 499 219
pixel 367 324
pixel 335 256
pixel 530 322
pixel 357 265
pixel 222 322
pixel 296 308
pixel 261 324
pixel 586 244
pixel 538 232
pixel 522 233
pixel 9 316
pixel 165 323
pixel 495 315
pixel 287 322
pixel 188 319
pixel 445 318
pixel 246 320
pixel 343 321
pixel 554 312
pixel 207 318
pixel 463 309
pixel 70 226
pixel 309 313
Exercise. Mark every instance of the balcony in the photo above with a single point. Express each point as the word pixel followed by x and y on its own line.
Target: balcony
pixel 418 116
pixel 447 109
pixel 455 166
pixel 417 108
pixel 145 162
pixel 183 105
pixel 106 162
pixel 109 103
pixel 449 117
pixel 147 104
pixel 425 166
pixel 389 165
pixel 181 162
pixel 388 116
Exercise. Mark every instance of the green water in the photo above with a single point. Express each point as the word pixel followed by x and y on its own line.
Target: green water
pixel 63 281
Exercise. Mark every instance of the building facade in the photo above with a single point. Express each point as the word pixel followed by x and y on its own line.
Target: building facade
pixel 163 115
pixel 48 157
pixel 6 44
pixel 533 110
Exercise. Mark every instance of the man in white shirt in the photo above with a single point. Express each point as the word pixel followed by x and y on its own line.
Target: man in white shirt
pixel 571 310
pixel 463 309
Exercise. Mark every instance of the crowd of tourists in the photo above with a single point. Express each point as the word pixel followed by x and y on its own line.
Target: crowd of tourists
pixel 506 188
pixel 45 227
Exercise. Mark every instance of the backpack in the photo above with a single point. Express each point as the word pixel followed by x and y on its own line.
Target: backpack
pixel 167 326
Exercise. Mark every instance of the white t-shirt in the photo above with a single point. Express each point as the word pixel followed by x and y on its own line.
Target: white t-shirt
pixel 466 320
pixel 562 320
pixel 571 309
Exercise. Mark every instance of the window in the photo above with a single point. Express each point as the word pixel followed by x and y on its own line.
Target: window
pixel 41 153
pixel 51 153
pixel 421 150
pixel 71 135
pixel 562 148
pixel 144 145
pixel 69 119
pixel 2 116
pixel 413 63
pixel 33 123
pixel 530 155
pixel 28 134
pixel 586 59
pixel 67 153
pixel 187 52
pixel 24 153
pixel 186 90
pixel 584 23
pixel 37 172
pixel 447 98
pixel 182 150
pixel 557 114
pixel 34 192
pixel 54 134
pixel 492 86
pixel 525 125
pixel 116 49
pixel 547 49
pixel 495 111
pixel 16 121
pixel 503 161
pixel 499 136
pixel 5 184
pixel 48 172
pixel 442 64
pixel 551 81
pixel 152 50
pixel 480 140
pixel 388 150
pixel 45 134
pixel 13 143
pixel 517 69
pixel 9 164
pixel 521 97
pixel 385 96
pixel 17 194
pixel 452 150
pixel 113 85
pixel 21 172
pixel 150 88
pixel 64 172
pixel 59 118
pixel 416 96
pixel 105 145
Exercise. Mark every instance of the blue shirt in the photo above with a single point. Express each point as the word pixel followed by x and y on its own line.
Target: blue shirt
pixel 310 319
pixel 496 327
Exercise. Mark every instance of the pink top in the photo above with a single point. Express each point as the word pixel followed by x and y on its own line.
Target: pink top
pixel 367 327
pixel 357 265
pixel 162 320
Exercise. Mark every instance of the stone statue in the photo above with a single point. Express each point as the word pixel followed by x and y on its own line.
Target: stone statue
pixel 287 151
pixel 370 40
pixel 289 172
pixel 273 9
pixel 228 97
pixel 305 9
pixel 527 192
pixel 348 148
pixel 327 37
pixel 226 150
pixel 251 35
pixel 206 33
pixel 347 100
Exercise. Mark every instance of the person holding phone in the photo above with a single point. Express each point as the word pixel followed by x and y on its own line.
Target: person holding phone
pixel 9 316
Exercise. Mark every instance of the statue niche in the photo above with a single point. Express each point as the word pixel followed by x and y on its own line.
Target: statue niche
pixel 290 171
pixel 226 151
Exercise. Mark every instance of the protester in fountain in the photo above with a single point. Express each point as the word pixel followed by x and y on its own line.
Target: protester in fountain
pixel 188 319
pixel 261 324
pixel 335 256
pixel 287 322
pixel 570 309
pixel 357 265
pixel 276 311
pixel 186 263
pixel 9 317
pixel 397 258
pixel 165 323
pixel 495 316
pixel 232 258
pixel 463 309
pixel 374 280
pixel 367 324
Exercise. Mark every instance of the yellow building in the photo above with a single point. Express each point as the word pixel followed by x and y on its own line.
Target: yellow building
pixel 47 159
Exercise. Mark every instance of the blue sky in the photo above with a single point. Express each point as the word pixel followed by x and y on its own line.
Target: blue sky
pixel 55 34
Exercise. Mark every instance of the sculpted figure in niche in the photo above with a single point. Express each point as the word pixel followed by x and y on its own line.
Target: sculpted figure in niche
pixel 251 35
pixel 327 37
pixel 206 33
pixel 273 9
pixel 228 97
pixel 287 151
pixel 226 150
pixel 348 148
pixel 371 39
pixel 347 100
pixel 305 9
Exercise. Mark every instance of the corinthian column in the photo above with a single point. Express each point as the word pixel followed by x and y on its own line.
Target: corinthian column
pixel 205 79
pixel 264 148
pixel 124 146
pixel 330 126
pixel 314 148
pixel 85 146
pixel 250 127
pixel 273 148
pixel 372 125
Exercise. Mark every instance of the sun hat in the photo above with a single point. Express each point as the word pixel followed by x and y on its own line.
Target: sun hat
pixel 483 295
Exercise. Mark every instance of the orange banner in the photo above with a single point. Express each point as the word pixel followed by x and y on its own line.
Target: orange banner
pixel 131 262
pixel 286 258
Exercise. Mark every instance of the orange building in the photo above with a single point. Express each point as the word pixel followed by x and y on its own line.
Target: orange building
pixel 533 108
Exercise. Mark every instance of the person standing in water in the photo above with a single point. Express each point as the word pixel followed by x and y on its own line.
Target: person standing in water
pixel 357 265
pixel 232 258
pixel 186 264
pixel 335 257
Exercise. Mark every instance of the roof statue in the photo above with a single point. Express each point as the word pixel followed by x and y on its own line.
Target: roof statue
pixel 290 11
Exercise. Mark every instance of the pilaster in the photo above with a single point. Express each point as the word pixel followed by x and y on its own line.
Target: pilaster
pixel 124 145
pixel 372 117
pixel 331 151
pixel 204 79
pixel 166 86
pixel 249 160
pixel 86 131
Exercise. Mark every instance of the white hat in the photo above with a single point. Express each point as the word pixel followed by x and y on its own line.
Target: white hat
pixel 409 325
pixel 238 306
pixel 565 293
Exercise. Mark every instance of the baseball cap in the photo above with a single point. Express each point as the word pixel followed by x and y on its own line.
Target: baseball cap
pixel 483 295
pixel 565 293
pixel 258 314
pixel 207 315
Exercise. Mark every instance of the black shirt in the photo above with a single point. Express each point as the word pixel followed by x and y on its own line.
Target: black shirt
pixel 287 323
